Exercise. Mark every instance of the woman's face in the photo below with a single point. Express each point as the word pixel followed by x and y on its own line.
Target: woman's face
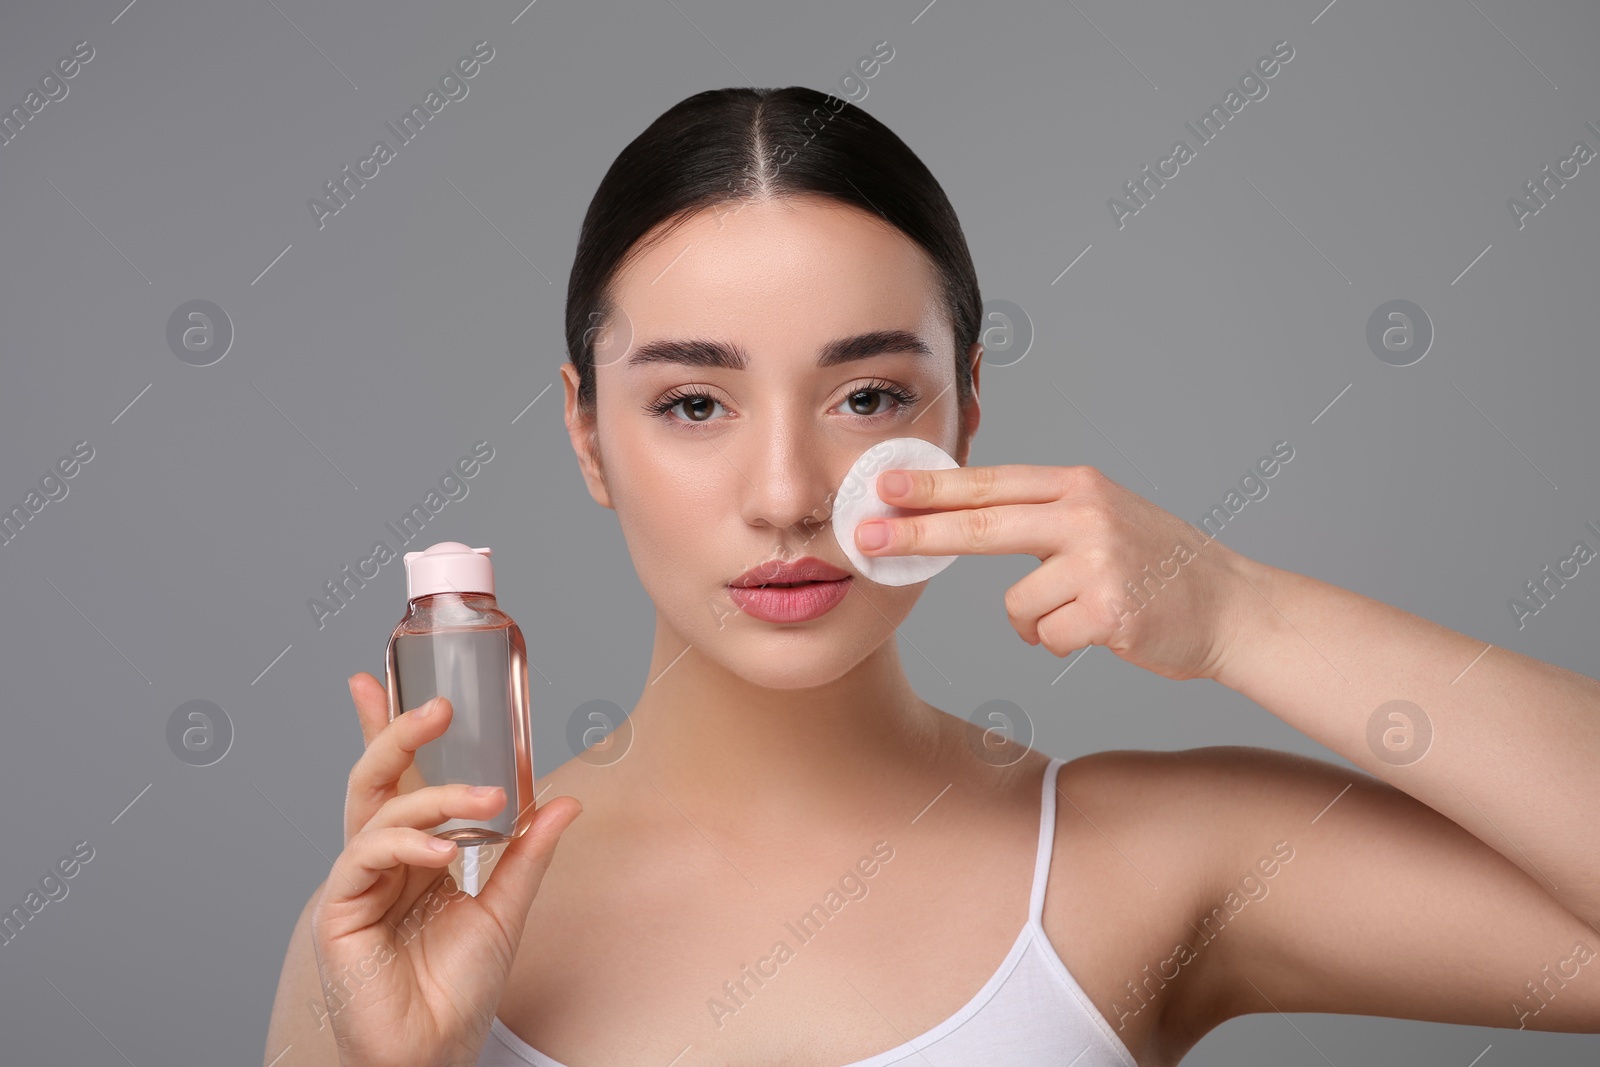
pixel 714 469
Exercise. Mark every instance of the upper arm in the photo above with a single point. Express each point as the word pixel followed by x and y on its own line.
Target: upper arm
pixel 1329 890
pixel 299 1011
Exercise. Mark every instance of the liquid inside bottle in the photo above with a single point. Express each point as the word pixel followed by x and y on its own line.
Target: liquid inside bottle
pixel 461 646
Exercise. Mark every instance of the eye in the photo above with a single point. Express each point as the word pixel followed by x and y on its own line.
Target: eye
pixel 903 398
pixel 702 403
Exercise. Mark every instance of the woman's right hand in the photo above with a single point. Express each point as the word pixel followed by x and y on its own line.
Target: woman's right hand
pixel 412 966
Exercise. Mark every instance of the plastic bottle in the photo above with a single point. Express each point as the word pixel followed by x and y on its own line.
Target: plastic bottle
pixel 454 641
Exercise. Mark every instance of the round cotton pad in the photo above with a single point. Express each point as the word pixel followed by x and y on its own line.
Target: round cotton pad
pixel 857 500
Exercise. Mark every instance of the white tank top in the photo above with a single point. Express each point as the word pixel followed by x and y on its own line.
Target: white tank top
pixel 1030 1012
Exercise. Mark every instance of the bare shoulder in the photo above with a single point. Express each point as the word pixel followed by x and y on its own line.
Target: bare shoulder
pixel 1211 883
pixel 1175 813
pixel 1145 846
pixel 1185 803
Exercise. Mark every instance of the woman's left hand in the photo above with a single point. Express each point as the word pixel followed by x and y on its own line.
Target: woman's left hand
pixel 1098 543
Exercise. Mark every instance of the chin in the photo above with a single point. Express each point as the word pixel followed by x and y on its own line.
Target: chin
pixel 789 657
pixel 789 672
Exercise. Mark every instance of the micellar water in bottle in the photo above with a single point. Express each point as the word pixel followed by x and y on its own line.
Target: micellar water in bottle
pixel 454 641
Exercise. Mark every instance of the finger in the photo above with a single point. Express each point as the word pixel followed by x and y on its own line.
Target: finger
pixel 515 881
pixel 432 805
pixel 1068 628
pixel 364 860
pixel 979 486
pixel 377 773
pixel 999 530
pixel 1040 592
pixel 372 704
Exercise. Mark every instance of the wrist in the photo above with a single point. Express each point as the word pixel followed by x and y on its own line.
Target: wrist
pixel 1250 619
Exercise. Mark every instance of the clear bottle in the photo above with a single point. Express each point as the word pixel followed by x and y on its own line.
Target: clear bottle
pixel 454 641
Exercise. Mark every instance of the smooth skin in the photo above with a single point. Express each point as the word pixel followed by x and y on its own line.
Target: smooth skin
pixel 765 760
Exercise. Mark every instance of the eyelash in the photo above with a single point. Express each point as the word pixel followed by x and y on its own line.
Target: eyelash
pixel 662 408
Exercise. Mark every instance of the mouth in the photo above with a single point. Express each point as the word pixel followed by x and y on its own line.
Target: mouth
pixel 790 602
pixel 794 591
pixel 773 574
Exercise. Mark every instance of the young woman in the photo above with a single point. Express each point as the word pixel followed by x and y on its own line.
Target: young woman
pixel 799 861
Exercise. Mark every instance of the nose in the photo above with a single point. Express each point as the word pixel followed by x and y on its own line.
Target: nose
pixel 787 477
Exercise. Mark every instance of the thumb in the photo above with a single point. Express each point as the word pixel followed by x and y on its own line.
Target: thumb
pixel 516 877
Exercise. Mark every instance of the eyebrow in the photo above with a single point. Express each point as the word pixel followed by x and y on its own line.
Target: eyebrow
pixel 703 353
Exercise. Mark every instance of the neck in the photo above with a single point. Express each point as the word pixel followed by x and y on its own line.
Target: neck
pixel 725 750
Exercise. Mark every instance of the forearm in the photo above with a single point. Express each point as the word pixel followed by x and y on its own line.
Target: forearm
pixel 1515 742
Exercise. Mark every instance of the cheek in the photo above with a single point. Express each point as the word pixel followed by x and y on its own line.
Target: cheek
pixel 669 500
pixel 665 477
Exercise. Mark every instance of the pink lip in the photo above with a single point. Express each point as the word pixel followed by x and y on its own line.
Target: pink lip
pixel 800 603
pixel 804 569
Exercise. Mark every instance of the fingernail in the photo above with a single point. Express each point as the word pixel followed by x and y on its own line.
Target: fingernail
pixel 870 535
pixel 428 708
pixel 439 844
pixel 483 790
pixel 896 483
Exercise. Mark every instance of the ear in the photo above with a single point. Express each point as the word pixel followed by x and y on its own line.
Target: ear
pixel 971 413
pixel 585 437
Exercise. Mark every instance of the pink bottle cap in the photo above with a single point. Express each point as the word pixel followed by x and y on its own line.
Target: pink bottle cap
pixel 448 567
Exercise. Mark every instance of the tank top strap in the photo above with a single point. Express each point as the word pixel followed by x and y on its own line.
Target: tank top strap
pixel 1047 836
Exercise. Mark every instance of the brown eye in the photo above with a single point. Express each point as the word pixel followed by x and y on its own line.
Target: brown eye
pixel 864 399
pixel 701 403
pixel 664 408
pixel 862 406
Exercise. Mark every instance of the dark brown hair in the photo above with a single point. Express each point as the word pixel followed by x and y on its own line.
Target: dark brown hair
pixel 737 144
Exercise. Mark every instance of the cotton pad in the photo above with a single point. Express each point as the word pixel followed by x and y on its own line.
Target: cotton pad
pixel 857 500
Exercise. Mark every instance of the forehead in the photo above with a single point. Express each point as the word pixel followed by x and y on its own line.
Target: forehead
pixel 781 275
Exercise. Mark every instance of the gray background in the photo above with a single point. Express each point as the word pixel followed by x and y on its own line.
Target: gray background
pixel 425 316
